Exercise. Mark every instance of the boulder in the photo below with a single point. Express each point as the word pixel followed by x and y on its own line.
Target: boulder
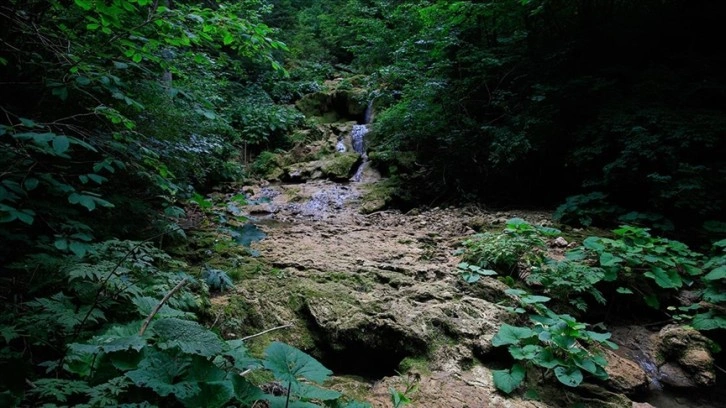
pixel 625 375
pixel 687 360
pixel 337 167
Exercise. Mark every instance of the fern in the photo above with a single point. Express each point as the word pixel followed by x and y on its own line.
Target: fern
pixel 174 358
pixel 58 390
pixel 217 280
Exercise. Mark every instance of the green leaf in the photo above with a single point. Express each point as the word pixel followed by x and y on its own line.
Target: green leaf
pixel 599 337
pixel 145 304
pixel 532 299
pixel 665 279
pixel 708 321
pixel 652 301
pixel 162 372
pixel 716 274
pixel 78 248
pixel 30 183
pixel 511 335
pixel 288 364
pixel 587 364
pixel 25 216
pixel 84 4
pixel 110 344
pixel 546 359
pixel 527 352
pixel 96 178
pixel 61 244
pixel 61 92
pixel 593 243
pixel 311 392
pixel 9 333
pixel 624 291
pixel 28 123
pixel 213 394
pixel 228 38
pixel 57 389
pixel 61 144
pixel 508 380
pixel 190 337
pixel 571 377
pixel 608 259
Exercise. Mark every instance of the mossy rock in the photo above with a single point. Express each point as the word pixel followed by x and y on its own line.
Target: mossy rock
pixel 268 165
pixel 334 106
pixel 340 166
pixel 390 162
pixel 379 195
pixel 337 167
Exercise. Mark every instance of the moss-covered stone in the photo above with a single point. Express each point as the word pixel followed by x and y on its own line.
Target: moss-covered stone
pixel 337 167
pixel 340 166
pixel 378 195
pixel 335 105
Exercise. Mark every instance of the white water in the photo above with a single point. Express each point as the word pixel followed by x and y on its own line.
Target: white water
pixel 357 136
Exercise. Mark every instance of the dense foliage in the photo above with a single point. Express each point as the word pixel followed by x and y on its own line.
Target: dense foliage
pixel 526 102
pixel 113 114
pixel 632 269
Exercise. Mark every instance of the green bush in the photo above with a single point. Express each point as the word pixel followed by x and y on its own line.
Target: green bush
pixel 556 343
pixel 520 246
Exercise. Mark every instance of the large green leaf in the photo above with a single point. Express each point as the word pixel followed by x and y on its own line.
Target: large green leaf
pixel 716 274
pixel 599 337
pixel 666 279
pixel 161 372
pixel 708 321
pixel 527 352
pixel 61 144
pixel 288 364
pixel 571 377
pixel 508 380
pixel 311 392
pixel 145 304
pixel 511 335
pixel 607 259
pixel 216 389
pixel 546 359
pixel 190 337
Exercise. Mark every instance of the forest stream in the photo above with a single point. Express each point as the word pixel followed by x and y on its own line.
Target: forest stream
pixel 356 204
pixel 378 299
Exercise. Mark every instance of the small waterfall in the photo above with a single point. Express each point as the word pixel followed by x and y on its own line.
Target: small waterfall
pixel 357 136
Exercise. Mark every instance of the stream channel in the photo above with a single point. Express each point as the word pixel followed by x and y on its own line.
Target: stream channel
pixel 374 294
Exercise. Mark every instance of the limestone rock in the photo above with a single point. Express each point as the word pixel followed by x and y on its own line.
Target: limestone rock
pixel 340 166
pixel 560 242
pixel 625 375
pixel 686 354
pixel 444 389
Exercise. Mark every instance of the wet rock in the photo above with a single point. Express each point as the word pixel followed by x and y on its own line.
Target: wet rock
pixel 625 375
pixel 340 166
pixel 673 375
pixel 261 209
pixel 445 389
pixel 560 242
pixel 687 359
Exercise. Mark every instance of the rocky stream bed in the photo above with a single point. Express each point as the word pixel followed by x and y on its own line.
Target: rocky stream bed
pixel 377 298
pixel 375 294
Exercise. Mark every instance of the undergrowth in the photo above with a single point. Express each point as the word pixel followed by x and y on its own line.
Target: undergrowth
pixel 633 266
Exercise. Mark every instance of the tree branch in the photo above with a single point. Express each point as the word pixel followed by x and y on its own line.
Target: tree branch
pixel 158 307
pixel 267 331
